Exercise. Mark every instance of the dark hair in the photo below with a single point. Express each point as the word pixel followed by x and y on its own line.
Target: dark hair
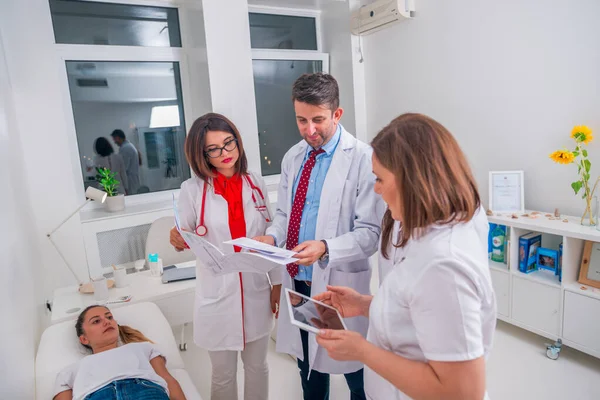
pixel 196 140
pixel 318 90
pixel 433 179
pixel 103 147
pixel 126 333
pixel 118 133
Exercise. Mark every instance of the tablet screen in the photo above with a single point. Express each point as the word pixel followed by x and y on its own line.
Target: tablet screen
pixel 308 311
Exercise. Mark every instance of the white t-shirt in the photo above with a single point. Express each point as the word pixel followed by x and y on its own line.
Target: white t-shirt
pixel 98 370
pixel 437 303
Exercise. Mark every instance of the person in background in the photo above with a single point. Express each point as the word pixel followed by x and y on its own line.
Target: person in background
pixel 328 213
pixel 131 159
pixel 432 322
pixel 122 364
pixel 107 158
pixel 233 313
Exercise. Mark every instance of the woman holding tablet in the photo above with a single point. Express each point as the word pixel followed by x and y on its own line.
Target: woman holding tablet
pixel 233 312
pixel 431 322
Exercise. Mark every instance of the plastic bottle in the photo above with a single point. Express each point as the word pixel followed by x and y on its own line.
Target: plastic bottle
pixel 498 241
pixel 155 264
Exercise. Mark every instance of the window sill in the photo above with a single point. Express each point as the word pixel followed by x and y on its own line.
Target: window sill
pixel 99 214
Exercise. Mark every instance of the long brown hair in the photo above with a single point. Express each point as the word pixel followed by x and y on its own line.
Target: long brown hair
pixel 433 178
pixel 126 333
pixel 196 140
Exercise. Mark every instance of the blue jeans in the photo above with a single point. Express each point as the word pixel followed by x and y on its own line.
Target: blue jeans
pixel 130 389
pixel 317 387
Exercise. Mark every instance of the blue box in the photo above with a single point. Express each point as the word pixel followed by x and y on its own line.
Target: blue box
pixel 559 269
pixel 547 259
pixel 528 245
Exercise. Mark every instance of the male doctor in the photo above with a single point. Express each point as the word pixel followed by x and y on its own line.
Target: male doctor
pixel 328 212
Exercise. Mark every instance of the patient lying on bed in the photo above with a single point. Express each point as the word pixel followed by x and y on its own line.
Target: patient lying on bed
pixel 123 364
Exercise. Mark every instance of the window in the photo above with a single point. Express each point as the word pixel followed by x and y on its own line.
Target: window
pixel 268 31
pixel 283 49
pixel 278 132
pixel 144 101
pixel 83 22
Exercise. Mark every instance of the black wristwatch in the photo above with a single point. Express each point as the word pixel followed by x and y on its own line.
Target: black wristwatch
pixel 325 256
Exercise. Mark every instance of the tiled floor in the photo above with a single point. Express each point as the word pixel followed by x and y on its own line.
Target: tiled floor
pixel 517 370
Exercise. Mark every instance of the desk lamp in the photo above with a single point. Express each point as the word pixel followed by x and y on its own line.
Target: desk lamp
pixel 91 194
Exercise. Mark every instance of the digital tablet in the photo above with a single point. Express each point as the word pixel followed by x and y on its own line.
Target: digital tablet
pixel 312 315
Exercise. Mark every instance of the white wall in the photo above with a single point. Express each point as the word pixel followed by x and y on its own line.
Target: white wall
pixel 41 121
pixel 335 22
pixel 509 79
pixel 20 267
pixel 227 30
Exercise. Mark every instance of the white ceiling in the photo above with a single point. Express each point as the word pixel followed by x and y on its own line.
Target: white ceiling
pixel 302 4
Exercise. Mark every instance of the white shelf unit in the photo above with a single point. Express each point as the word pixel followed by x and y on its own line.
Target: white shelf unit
pixel 537 301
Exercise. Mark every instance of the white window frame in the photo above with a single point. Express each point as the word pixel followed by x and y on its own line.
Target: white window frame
pixel 289 55
pixel 293 12
pixel 121 54
pixel 101 53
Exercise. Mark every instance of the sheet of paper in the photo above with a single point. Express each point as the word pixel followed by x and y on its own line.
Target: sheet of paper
pixel 507 192
pixel 261 248
pixel 176 212
pixel 210 255
pixel 214 259
pixel 220 264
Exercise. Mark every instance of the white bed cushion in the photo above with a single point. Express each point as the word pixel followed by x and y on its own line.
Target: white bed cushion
pixel 188 387
pixel 59 346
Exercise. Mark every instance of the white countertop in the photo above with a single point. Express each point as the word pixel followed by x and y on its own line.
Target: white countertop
pixel 68 302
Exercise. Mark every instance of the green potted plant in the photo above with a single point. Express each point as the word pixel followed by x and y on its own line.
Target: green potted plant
pixel 106 178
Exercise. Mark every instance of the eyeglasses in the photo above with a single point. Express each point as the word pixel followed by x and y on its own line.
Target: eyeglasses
pixel 216 152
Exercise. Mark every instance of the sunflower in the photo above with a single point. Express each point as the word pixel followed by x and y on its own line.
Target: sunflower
pixel 563 157
pixel 582 134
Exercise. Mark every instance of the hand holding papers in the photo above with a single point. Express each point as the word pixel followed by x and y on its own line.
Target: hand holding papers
pixel 261 259
pixel 266 251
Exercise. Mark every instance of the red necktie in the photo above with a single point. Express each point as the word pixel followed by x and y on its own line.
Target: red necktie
pixel 298 206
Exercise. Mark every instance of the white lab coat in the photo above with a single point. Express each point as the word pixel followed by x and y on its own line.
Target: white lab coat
pixel 222 316
pixel 350 222
pixel 437 303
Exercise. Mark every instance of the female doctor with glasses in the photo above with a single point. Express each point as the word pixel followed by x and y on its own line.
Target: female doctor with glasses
pixel 233 312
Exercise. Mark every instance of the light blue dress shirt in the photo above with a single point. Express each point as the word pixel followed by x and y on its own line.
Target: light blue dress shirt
pixel 308 224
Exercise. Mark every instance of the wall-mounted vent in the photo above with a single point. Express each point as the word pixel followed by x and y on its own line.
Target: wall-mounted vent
pixel 87 82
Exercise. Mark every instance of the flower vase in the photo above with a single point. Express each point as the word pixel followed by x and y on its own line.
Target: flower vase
pixel 590 214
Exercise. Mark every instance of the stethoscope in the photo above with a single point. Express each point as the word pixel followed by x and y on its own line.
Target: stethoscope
pixel 201 229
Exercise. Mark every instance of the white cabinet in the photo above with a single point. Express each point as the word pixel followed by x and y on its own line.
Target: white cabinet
pixel 581 323
pixel 536 305
pixel 501 282
pixel 540 302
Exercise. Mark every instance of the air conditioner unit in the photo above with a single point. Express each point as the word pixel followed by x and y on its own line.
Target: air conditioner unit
pixel 380 14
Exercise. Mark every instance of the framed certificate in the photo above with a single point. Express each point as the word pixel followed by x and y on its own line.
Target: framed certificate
pixel 589 273
pixel 506 191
